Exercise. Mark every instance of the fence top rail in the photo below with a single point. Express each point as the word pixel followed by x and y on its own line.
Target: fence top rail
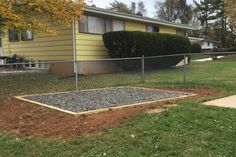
pixel 191 54
pixel 161 56
pixel 36 62
pixel 119 59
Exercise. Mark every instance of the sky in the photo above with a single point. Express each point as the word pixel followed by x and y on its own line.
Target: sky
pixel 148 3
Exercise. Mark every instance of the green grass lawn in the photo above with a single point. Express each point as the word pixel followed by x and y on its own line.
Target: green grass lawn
pixel 208 74
pixel 190 129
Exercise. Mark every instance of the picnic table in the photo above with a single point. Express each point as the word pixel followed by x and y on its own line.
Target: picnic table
pixel 3 59
pixel 11 60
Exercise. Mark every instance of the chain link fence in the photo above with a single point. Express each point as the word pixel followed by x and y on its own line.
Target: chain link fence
pixel 60 76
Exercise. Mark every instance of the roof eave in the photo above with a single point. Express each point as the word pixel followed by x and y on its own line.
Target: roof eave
pixel 137 18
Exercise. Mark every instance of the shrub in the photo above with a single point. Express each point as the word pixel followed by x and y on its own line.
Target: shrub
pixel 196 48
pixel 124 44
pixel 231 49
pixel 219 50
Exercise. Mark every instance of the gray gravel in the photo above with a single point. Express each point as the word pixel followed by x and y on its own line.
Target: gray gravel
pixel 81 101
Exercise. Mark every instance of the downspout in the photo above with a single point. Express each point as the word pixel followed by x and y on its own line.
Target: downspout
pixel 75 55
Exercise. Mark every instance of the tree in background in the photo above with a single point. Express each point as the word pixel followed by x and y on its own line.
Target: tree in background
pixel 138 8
pixel 184 11
pixel 134 8
pixel 31 15
pixel 221 23
pixel 205 14
pixel 141 9
pixel 174 10
pixel 230 13
pixel 214 22
pixel 166 10
pixel 120 7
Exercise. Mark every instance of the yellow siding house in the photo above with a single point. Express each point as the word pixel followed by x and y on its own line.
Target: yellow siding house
pixel 86 41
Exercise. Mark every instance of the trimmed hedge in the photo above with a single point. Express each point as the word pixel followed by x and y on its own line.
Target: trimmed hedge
pixel 196 48
pixel 123 44
pixel 232 49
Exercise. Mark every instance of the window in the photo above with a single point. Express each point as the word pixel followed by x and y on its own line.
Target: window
pixel 26 35
pixel 13 35
pixel 151 28
pixel 83 24
pixel 108 25
pixel 97 25
pixel 181 32
pixel 118 25
pixel 94 25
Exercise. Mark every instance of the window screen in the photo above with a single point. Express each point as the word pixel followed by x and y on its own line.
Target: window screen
pixel 149 28
pixel 108 26
pixel 27 35
pixel 96 25
pixel 83 24
pixel 118 25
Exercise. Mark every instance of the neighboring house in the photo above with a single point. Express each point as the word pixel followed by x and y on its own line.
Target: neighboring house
pixel 205 43
pixel 87 41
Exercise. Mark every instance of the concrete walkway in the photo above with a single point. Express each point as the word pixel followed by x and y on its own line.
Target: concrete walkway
pixel 229 102
pixel 207 59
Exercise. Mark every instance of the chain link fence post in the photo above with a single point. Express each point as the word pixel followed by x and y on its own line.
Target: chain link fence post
pixel 76 75
pixel 185 69
pixel 143 69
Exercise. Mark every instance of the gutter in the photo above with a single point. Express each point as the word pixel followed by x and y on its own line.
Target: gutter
pixel 75 54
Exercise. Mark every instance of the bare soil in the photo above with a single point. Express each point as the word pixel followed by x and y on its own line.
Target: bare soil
pixel 24 119
pixel 152 111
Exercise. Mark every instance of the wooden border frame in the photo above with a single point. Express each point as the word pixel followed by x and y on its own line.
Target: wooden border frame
pixel 104 109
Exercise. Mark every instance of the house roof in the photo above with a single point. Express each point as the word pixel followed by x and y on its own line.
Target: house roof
pixel 101 11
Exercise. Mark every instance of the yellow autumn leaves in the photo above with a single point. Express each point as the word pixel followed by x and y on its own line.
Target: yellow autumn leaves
pixel 230 11
pixel 32 14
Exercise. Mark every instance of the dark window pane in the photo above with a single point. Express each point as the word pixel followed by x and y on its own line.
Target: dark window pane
pixel 13 35
pixel 151 28
pixel 181 32
pixel 156 29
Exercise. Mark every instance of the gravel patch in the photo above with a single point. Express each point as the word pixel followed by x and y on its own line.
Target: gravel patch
pixel 81 101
